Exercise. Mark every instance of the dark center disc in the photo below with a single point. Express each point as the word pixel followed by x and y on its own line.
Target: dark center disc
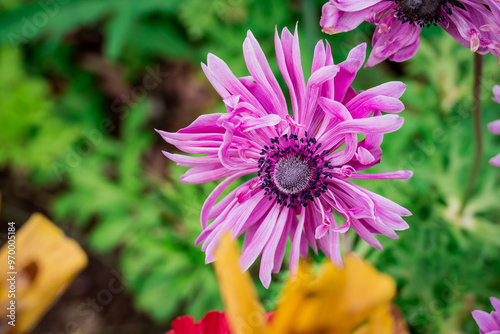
pixel 292 174
pixel 421 10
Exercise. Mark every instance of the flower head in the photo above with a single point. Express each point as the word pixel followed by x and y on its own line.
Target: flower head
pixel 473 23
pixel 494 126
pixel 302 163
pixel 489 323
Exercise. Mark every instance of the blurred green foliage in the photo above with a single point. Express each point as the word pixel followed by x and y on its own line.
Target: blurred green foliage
pixel 28 127
pixel 59 127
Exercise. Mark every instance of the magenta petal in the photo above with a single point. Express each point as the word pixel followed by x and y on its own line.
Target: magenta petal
pixel 334 109
pixel 348 70
pixel 259 240
pixel 323 74
pixel 485 321
pixel 381 124
pixel 495 161
pixel 340 16
pixel 223 74
pixel 335 21
pixel 190 161
pixel 319 58
pixel 321 231
pixel 267 262
pixel 212 198
pixel 294 254
pixel 262 73
pixel 335 253
pixel 494 127
pixel 496 93
pixel 496 303
pixel 281 248
pixel 364 156
pixel 289 62
pixel 406 52
pixel 366 235
pixel 399 175
pixel 489 323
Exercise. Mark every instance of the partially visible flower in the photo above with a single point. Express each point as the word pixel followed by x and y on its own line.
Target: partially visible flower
pixel 212 323
pixel 473 23
pixel 302 164
pixel 489 323
pixel 494 126
pixel 355 299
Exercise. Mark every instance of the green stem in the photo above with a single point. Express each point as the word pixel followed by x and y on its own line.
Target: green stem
pixel 478 135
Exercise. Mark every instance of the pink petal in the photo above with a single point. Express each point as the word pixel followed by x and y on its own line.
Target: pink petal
pixel 294 254
pixel 261 71
pixel 399 175
pixel 348 70
pixel 494 127
pixel 495 161
pixel 496 92
pixel 364 156
pixel 215 194
pixel 289 62
pixel 484 321
pixel 267 261
pixel 260 238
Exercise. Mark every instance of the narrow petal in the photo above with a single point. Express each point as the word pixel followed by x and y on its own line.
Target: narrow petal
pixel 267 261
pixel 214 195
pixel 399 175
pixel 260 239
pixel 261 71
pixel 294 254
pixel 348 70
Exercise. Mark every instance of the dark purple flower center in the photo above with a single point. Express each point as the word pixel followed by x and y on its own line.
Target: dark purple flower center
pixel 292 170
pixel 422 12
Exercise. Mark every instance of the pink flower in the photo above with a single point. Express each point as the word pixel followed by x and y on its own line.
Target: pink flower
pixel 303 163
pixel 494 126
pixel 475 24
pixel 489 323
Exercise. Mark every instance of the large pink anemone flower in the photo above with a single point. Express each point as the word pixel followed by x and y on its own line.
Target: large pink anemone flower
pixel 489 323
pixel 302 163
pixel 494 126
pixel 473 23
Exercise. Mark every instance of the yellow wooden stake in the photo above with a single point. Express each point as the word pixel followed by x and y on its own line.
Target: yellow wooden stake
pixel 45 263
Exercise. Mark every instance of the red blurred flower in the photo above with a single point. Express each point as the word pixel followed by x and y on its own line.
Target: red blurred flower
pixel 213 322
